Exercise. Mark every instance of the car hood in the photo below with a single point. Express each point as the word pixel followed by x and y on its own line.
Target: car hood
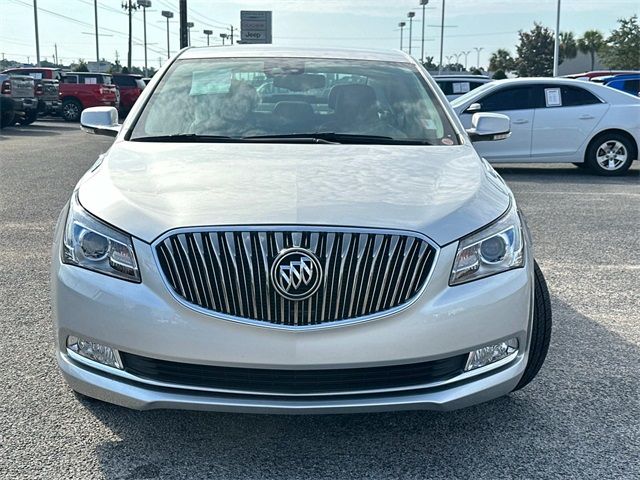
pixel 146 189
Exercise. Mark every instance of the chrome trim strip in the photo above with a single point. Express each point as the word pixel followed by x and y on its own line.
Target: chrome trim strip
pixel 127 376
pixel 299 228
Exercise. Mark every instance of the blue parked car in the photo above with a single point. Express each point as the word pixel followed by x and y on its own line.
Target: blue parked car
pixel 629 83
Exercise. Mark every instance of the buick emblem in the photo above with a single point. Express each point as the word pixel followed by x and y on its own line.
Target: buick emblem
pixel 296 273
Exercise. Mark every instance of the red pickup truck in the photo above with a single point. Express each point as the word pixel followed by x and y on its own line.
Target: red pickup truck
pixel 130 87
pixel 80 90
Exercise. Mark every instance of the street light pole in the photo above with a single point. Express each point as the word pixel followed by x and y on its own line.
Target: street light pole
pixel 556 44
pixel 401 25
pixel 441 35
pixel 478 50
pixel 145 4
pixel 207 33
pixel 95 17
pixel 410 15
pixel 466 57
pixel 35 16
pixel 189 26
pixel 167 14
pixel 424 4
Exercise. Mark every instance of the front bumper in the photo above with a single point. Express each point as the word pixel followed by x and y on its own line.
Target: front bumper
pixel 145 319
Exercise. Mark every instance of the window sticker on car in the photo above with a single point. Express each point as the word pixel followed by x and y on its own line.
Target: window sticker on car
pixel 90 80
pixel 461 87
pixel 211 81
pixel 552 97
pixel 36 75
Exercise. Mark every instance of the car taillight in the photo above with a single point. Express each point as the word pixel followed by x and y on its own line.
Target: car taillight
pixel 6 87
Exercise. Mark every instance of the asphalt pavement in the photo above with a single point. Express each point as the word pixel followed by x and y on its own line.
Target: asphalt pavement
pixel 579 419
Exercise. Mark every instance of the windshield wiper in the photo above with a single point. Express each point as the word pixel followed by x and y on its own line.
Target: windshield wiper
pixel 334 137
pixel 189 137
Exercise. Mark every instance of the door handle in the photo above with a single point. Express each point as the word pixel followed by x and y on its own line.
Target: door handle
pixel 520 121
pixel 586 117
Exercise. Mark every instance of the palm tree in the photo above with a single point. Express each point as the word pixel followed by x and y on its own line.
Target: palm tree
pixel 501 59
pixel 590 43
pixel 568 46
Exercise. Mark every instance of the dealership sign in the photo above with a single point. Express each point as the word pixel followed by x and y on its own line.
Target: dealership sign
pixel 255 26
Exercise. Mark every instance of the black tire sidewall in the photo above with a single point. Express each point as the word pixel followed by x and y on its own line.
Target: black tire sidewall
pixel 592 163
pixel 540 329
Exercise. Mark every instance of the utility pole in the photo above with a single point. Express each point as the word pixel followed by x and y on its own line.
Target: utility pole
pixel 401 25
pixel 129 7
pixel 55 46
pixel 184 37
pixel 231 34
pixel 410 16
pixel 95 17
pixel 207 33
pixel 424 4
pixel 35 16
pixel 189 26
pixel 441 35
pixel 144 4
pixel 556 44
pixel 478 50
pixel 167 14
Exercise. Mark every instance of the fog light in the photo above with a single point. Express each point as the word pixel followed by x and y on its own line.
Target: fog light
pixel 490 354
pixel 94 351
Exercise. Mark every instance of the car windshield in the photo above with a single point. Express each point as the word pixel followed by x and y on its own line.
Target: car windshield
pixel 472 93
pixel 275 98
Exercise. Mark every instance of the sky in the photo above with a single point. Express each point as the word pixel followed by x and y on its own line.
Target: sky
pixel 469 24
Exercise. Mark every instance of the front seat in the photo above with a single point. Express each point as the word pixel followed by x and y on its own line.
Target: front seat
pixel 296 117
pixel 354 107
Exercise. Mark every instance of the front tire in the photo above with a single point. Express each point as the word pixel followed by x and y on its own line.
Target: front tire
pixel 71 110
pixel 541 328
pixel 610 154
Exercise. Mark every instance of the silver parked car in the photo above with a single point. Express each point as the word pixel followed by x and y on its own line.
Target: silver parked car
pixel 334 244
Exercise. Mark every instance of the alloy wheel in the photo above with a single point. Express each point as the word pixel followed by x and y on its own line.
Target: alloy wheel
pixel 611 155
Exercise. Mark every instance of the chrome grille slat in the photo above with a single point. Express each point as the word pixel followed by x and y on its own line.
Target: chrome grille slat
pixel 227 272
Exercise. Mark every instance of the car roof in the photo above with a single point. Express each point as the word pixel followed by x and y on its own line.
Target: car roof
pixel 460 77
pixel 248 51
pixel 134 75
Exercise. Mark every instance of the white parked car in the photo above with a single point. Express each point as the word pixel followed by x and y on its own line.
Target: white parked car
pixel 454 86
pixel 559 120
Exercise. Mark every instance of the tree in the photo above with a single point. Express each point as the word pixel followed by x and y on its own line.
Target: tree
pixel 535 52
pixel 499 75
pixel 81 66
pixel 501 59
pixel 591 43
pixel 621 50
pixel 429 64
pixel 568 46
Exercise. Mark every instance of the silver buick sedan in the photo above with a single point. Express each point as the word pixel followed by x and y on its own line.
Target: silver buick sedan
pixel 295 231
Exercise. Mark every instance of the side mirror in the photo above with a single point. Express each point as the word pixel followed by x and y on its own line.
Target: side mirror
pixel 100 121
pixel 489 126
pixel 474 107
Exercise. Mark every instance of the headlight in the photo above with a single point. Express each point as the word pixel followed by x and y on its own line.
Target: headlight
pixel 91 244
pixel 494 249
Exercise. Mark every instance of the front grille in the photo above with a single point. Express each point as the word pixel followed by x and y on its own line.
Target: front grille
pixel 228 272
pixel 293 381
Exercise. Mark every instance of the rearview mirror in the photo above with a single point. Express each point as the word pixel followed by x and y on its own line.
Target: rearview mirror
pixel 100 121
pixel 474 107
pixel 489 126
